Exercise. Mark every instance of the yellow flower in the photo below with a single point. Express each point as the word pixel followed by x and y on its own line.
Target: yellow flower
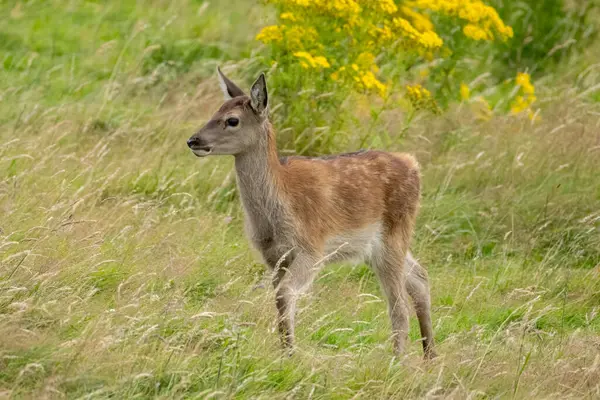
pixel 270 34
pixel 369 81
pixel 381 34
pixel 406 28
pixel 387 6
pixel 475 32
pixel 366 61
pixel 421 22
pixel 430 40
pixel 342 6
pixel 518 105
pixel 321 62
pixel 356 31
pixel 524 80
pixel 527 94
pixel 304 3
pixel 288 16
pixel 480 17
pixel 307 60
pixel 420 97
pixel 465 92
pixel 336 8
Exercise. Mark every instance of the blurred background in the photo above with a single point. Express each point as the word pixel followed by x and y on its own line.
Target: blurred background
pixel 124 271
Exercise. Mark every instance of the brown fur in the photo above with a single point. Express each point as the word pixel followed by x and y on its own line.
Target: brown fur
pixel 305 212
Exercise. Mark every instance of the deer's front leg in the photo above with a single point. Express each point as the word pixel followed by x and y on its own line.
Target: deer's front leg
pixel 289 283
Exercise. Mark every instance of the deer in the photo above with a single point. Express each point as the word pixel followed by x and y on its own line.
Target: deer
pixel 303 213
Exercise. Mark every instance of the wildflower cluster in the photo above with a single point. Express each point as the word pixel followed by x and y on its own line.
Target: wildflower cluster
pixel 525 97
pixel 308 61
pixel 482 21
pixel 362 73
pixel 345 41
pixel 420 98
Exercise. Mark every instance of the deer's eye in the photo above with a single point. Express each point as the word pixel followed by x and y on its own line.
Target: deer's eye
pixel 232 122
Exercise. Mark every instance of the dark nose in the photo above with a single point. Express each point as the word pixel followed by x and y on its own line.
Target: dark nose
pixel 193 142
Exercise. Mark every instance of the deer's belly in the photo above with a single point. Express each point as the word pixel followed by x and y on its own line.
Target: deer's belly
pixel 357 244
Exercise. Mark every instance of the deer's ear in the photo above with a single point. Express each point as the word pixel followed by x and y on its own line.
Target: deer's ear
pixel 259 99
pixel 230 89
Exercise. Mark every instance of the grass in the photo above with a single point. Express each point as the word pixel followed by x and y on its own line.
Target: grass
pixel 124 271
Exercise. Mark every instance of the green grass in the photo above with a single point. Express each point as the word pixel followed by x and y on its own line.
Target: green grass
pixel 124 270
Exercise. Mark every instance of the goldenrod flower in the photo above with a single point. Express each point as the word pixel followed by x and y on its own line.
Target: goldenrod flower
pixel 477 33
pixel 421 22
pixel 526 97
pixel 479 16
pixel 381 34
pixel 288 16
pixel 421 98
pixel 307 60
pixel 417 92
pixel 518 105
pixel 366 61
pixel 270 34
pixel 350 34
pixel 465 92
pixel 371 82
pixel 428 40
pixel 524 80
pixel 387 6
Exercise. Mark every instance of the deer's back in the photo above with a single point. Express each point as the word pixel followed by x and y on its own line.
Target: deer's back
pixel 352 193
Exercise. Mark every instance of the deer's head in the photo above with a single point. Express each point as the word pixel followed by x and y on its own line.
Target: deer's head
pixel 237 126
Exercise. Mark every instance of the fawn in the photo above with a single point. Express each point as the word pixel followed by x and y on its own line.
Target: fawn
pixel 302 213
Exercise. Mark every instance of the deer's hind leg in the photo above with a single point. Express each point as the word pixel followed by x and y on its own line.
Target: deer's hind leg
pixel 417 286
pixel 388 261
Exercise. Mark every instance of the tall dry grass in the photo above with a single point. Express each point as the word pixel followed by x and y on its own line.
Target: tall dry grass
pixel 125 271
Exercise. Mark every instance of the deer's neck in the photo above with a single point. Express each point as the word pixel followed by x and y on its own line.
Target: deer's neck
pixel 259 180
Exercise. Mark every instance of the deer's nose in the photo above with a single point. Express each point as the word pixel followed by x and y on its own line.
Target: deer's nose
pixel 194 142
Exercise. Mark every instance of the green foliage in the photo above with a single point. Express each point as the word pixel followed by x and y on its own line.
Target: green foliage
pixel 172 59
pixel 546 32
pixel 199 291
pixel 322 52
pixel 108 278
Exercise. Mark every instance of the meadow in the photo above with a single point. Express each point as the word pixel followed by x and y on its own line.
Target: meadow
pixel 124 270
